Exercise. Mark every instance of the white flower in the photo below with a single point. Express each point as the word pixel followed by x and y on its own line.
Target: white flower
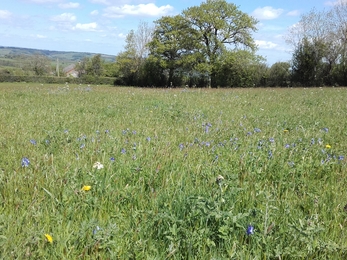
pixel 98 165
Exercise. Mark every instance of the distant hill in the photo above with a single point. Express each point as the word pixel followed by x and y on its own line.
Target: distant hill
pixel 64 56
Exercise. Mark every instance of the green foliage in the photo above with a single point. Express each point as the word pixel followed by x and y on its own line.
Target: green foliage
pixel 279 74
pixel 187 173
pixel 59 80
pixel 240 68
pixel 307 63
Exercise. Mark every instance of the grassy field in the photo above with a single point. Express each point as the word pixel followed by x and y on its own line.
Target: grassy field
pixel 97 172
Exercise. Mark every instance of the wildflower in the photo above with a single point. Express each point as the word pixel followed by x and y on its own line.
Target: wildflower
pixel 250 230
pixel 98 165
pixel 285 131
pixel 312 141
pixel 257 130
pixel 207 127
pixel 287 146
pixel 325 129
pixel 49 238
pixel 33 142
pixel 107 131
pixel 271 140
pixel 86 188
pixel 25 162
pixel 291 164
pixel 97 228
pixel 66 131
pixel 327 146
pixel 112 159
pixel 123 151
pixel 148 139
pixel 181 146
pixel 219 180
pixel 341 157
pixel 269 154
pixel 82 146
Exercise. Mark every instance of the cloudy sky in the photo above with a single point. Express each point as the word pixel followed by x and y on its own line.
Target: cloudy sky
pixel 100 26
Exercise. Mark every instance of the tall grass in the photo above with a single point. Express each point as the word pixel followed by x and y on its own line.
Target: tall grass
pixel 280 154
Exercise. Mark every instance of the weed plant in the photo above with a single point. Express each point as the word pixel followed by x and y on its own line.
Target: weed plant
pixel 95 172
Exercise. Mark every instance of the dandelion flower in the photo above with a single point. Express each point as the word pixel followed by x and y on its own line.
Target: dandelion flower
pixel 328 146
pixel 98 165
pixel 285 131
pixel 49 238
pixel 86 188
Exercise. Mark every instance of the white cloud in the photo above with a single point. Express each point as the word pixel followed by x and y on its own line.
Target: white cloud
pixel 4 14
pixel 42 1
pixel 267 13
pixel 86 27
pixel 105 2
pixel 69 5
pixel 122 35
pixel 141 9
pixel 265 44
pixel 294 13
pixel 333 3
pixel 95 12
pixel 65 17
pixel 40 36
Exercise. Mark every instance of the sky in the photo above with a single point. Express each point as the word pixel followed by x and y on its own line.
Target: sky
pixel 100 26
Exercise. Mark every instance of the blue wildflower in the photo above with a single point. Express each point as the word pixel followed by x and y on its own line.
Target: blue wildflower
pixel 47 141
pixel 312 141
pixel 325 129
pixel 250 230
pixel 123 151
pixel 134 132
pixel 181 146
pixel 291 164
pixel 341 157
pixel 270 154
pixel 25 162
pixel 112 159
pixel 287 146
pixel 96 230
pixel 66 131
pixel 249 133
pixel 107 131
pixel 82 146
pixel 148 139
pixel 257 130
pixel 32 141
pixel 207 127
pixel 271 140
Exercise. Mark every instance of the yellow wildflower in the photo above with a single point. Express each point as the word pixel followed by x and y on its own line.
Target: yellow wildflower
pixel 86 188
pixel 328 146
pixel 49 238
pixel 285 131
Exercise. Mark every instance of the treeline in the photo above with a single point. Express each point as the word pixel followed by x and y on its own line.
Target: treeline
pixel 211 45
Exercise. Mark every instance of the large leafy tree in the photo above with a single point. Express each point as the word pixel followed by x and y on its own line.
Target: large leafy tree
pixel 173 45
pixel 220 24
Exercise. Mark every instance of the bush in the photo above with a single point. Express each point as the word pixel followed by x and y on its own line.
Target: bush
pixel 58 80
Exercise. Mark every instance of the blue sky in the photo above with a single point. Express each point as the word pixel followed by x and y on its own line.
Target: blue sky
pixel 100 26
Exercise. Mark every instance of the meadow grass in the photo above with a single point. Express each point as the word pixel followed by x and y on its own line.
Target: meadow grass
pixel 280 155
